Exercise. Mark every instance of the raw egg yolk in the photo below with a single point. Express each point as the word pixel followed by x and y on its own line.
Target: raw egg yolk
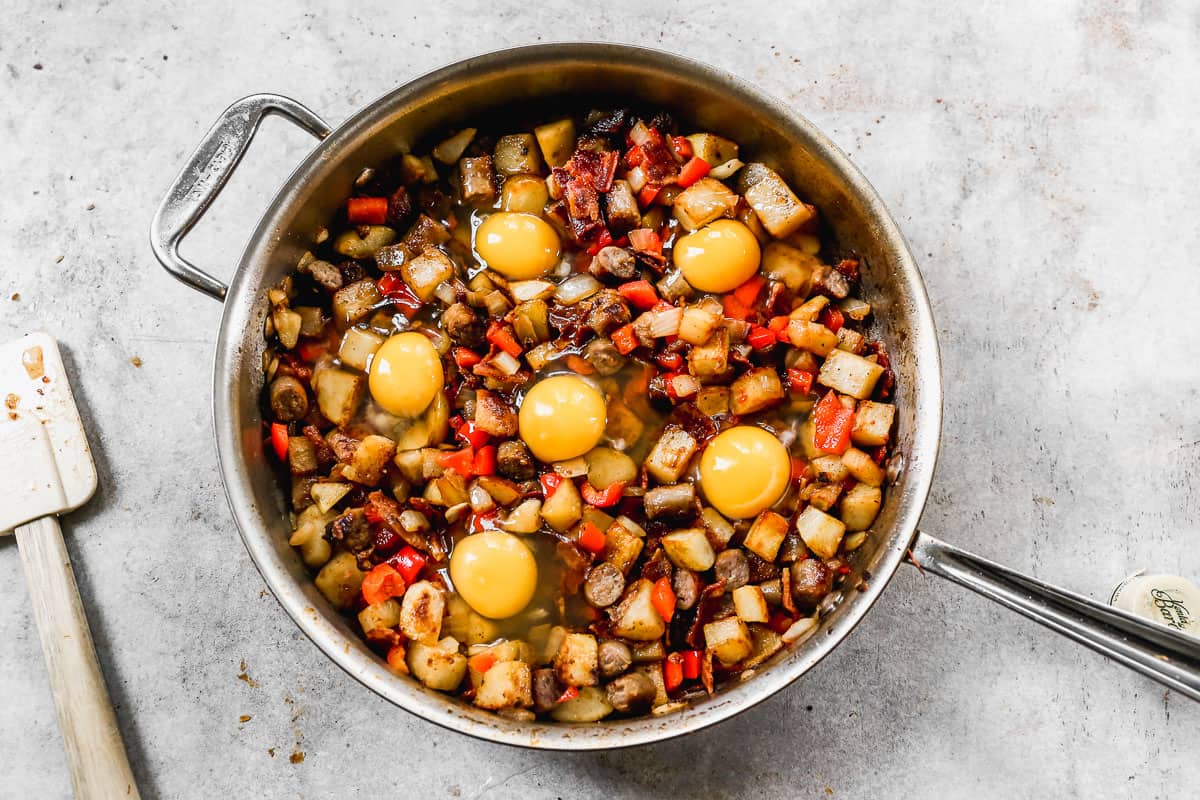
pixel 517 245
pixel 562 417
pixel 406 374
pixel 494 572
pixel 744 470
pixel 719 257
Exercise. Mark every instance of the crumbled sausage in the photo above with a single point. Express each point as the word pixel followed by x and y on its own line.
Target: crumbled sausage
pixel 686 585
pixel 289 400
pixel 733 568
pixel 463 325
pixel 352 529
pixel 676 500
pixel 614 658
pixel 604 585
pixel 608 312
pixel 513 460
pixel 614 262
pixel 546 690
pixel 604 356
pixel 631 693
pixel 812 579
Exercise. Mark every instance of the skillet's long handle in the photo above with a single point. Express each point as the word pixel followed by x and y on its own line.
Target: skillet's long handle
pixel 1172 659
pixel 206 173
pixel 95 754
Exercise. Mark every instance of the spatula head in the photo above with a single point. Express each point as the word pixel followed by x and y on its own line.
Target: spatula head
pixel 45 464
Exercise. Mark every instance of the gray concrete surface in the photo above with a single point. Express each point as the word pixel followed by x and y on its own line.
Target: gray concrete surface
pixel 1043 162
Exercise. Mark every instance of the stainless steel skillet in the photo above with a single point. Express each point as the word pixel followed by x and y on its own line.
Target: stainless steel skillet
pixel 707 98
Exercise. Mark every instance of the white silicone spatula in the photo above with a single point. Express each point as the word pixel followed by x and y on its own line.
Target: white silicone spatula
pixel 46 469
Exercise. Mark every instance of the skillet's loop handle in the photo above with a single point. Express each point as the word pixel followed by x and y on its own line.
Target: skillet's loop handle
pixel 207 172
pixel 1171 658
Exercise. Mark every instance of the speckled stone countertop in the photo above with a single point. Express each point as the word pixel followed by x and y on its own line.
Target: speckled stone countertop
pixel 1042 160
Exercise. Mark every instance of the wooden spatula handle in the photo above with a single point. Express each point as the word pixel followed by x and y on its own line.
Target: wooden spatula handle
pixel 95 753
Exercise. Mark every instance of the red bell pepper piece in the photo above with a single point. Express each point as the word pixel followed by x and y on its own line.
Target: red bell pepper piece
pixel 831 424
pixel 550 482
pixel 647 194
pixel 279 439
pixel 692 171
pixel 590 538
pixel 734 308
pixel 470 433
pixel 682 147
pixel 483 522
pixel 570 693
pixel 799 469
pixel 673 671
pixel 602 498
pixel 640 294
pixel 645 240
pixel 312 349
pixel 485 461
pixel 367 210
pixel 662 597
pixel 461 461
pixel 778 325
pixel 382 583
pixel 748 292
pixel 761 338
pixel 691 664
pixel 393 287
pixel 408 562
pixel 396 659
pixel 625 339
pixel 603 240
pixel 832 318
pixel 671 361
pixel 799 380
pixel 502 337
pixel 482 662
pixel 466 357
pixel 635 156
pixel 780 622
pixel 580 364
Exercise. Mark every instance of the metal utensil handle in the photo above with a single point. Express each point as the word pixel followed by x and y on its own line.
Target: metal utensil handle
pixel 95 753
pixel 205 174
pixel 1172 659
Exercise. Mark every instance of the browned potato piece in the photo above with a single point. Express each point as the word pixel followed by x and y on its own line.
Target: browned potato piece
pixel 776 205
pixel 728 639
pixel 339 393
pixel 516 153
pixel 790 266
pixel 507 684
pixel 421 612
pixel 371 457
pixel 848 373
pixel 352 303
pixel 340 579
pixel 766 535
pixel 859 507
pixel 711 358
pixel 872 423
pixel 671 454
pixel 556 141
pixel 812 336
pixel 755 390
pixel 820 532
pixel 702 202
pixel 862 467
pixel 426 271
pixel 635 618
pixel 577 660
pixel 689 548
pixel 622 546
pixel 477 180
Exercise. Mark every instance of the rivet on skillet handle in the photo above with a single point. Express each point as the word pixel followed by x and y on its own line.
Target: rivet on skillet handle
pixel 205 175
pixel 1172 659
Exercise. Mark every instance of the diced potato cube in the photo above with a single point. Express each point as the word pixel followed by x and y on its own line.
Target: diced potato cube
pixel 339 393
pixel 671 454
pixel 822 495
pixel 622 545
pixel 352 303
pixel 452 149
pixel 606 466
pixel 713 400
pixel 511 650
pixel 851 340
pixel 860 506
pixel 812 336
pixel 873 423
pixel 363 242
pixel 689 548
pixel 577 660
pixel 309 536
pixel 340 579
pixel 414 169
pixel 517 152
pixel 635 617
pixel 810 309
pixel 750 604
pixel 777 206
pixel 790 266
pixel 327 495
pixel 439 666
pixel 728 639
pixel 716 150
pixel 370 459
pixel 863 467
pixel 719 529
pixel 426 271
pixel 698 323
pixel 702 202
pixel 830 469
pixel 848 373
pixel 766 535
pixel 591 705
pixel 302 456
pixel 820 532
pixel 358 345
pixel 755 390
pixel 506 685
pixel 711 358
pixel 421 612
pixel 525 518
pixel 525 193
pixel 477 180
pixel 287 326
pixel 556 141
pixel 563 507
pixel 379 616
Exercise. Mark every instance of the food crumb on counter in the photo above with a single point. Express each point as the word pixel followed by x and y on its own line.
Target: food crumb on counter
pixel 271 752
pixel 242 676
pixel 12 401
pixel 15 296
pixel 59 260
pixel 38 66
pixel 297 757
pixel 136 361
pixel 244 718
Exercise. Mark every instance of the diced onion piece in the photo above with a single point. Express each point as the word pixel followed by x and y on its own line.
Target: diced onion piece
pixel 576 288
pixel 665 322
pixel 639 134
pixel 636 178
pixel 854 541
pixel 506 363
pixel 481 499
pixel 726 170
pixel 800 630
pixel 684 385
pixel 572 467
pixel 456 512
pixel 523 291
pixel 855 309
pixel 413 521
pixel 445 292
